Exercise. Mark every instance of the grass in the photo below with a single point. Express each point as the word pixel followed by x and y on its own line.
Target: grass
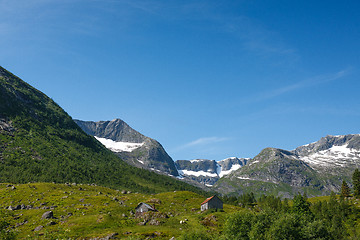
pixel 86 211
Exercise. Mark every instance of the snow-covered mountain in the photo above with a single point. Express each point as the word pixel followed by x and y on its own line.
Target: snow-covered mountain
pixel 130 145
pixel 317 168
pixel 331 153
pixel 208 171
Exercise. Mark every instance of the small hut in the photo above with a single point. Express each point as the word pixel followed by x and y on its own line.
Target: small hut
pixel 212 202
pixel 143 207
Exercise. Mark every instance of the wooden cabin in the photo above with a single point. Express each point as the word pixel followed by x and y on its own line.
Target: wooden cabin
pixel 212 203
pixel 143 207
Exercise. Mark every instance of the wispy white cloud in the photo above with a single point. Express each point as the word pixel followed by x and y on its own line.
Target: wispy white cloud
pixel 201 142
pixel 205 141
pixel 314 81
pixel 259 39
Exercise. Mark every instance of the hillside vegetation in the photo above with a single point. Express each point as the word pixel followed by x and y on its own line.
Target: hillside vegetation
pixel 87 211
pixel 81 211
pixel 39 142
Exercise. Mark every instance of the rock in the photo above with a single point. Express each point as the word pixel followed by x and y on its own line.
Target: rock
pixel 21 223
pixel 13 208
pixel 111 236
pixel 48 215
pixel 142 223
pixel 38 228
pixel 154 222
pixel 124 192
pixel 51 223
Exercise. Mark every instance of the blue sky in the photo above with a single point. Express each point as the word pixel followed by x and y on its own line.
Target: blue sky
pixel 207 79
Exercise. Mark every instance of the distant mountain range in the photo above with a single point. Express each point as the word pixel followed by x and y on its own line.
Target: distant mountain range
pixel 208 172
pixel 317 168
pixel 39 141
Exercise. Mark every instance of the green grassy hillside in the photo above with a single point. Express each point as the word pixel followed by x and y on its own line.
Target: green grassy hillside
pixel 87 211
pixel 39 142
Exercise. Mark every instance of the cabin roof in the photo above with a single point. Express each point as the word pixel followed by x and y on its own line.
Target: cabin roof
pixel 146 205
pixel 208 199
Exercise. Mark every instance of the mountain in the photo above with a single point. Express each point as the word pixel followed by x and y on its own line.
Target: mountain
pixel 39 142
pixel 317 169
pixel 130 145
pixel 208 172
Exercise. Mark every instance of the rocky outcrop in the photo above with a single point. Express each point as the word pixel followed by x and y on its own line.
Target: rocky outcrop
pixel 142 152
pixel 208 172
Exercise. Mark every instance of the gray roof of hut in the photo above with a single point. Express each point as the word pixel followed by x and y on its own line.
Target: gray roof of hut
pixel 146 205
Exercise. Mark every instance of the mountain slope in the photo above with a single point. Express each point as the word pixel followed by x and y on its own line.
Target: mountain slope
pixel 208 172
pixel 40 142
pixel 317 169
pixel 130 145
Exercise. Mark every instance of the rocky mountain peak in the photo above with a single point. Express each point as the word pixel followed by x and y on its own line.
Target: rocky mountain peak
pixel 130 145
pixel 116 130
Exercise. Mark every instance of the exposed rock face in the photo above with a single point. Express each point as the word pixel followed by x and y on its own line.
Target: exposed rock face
pixel 317 169
pixel 48 215
pixel 116 130
pixel 6 125
pixel 130 145
pixel 208 172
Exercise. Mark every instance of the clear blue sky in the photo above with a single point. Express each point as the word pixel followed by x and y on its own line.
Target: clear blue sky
pixel 207 79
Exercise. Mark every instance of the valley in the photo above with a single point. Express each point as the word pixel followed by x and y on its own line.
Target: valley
pixel 66 179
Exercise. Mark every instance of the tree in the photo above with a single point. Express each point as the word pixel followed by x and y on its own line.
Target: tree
pixel 300 205
pixel 286 227
pixel 356 182
pixel 345 190
pixel 238 226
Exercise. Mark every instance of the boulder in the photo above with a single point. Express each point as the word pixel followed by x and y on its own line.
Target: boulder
pixel 48 215
pixel 38 228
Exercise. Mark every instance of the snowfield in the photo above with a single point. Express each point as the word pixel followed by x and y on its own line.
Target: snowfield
pixel 336 155
pixel 118 146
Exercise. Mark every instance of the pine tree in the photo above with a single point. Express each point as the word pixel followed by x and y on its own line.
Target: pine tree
pixel 356 182
pixel 300 205
pixel 345 190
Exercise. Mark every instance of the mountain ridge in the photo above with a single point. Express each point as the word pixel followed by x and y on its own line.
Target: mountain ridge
pixel 316 168
pixel 147 153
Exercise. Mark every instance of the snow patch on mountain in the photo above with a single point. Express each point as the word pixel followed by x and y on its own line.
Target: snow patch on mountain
pixel 197 173
pixel 197 160
pixel 118 146
pixel 336 155
pixel 209 171
pixel 227 172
